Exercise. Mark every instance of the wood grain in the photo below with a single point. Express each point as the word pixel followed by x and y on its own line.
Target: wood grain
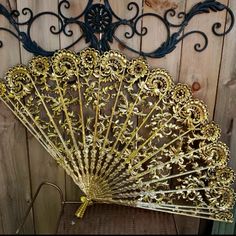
pixel 102 219
pixel 15 191
pixel 225 109
pixel 157 34
pixel 75 9
pixel 200 70
pixel 121 9
pixel 42 165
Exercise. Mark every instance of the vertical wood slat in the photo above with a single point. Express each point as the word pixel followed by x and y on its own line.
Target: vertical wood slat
pixel 225 110
pixel 15 191
pixel 121 9
pixel 200 70
pixel 157 34
pixel 43 166
pixel 171 62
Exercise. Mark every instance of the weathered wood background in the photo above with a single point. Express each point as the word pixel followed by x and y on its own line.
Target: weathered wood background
pixel 24 164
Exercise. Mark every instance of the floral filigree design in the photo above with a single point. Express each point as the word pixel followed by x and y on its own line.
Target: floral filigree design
pixel 39 66
pixel 2 89
pixel 138 68
pixel 19 81
pixel 181 93
pixel 65 63
pixel 211 131
pixel 89 58
pixel 113 63
pixel 125 133
pixel 158 82
pixel 216 153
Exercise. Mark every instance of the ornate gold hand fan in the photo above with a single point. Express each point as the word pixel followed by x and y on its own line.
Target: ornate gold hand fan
pixel 126 134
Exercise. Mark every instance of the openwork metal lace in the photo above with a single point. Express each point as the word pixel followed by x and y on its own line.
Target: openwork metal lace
pixel 125 133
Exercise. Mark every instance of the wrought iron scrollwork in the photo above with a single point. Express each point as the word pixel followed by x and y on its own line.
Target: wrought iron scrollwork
pixel 100 18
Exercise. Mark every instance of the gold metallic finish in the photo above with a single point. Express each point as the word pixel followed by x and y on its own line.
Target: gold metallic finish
pixel 85 203
pixel 126 134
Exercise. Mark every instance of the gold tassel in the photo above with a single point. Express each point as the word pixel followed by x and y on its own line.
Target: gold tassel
pixel 81 210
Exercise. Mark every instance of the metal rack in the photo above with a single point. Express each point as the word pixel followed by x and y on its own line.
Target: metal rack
pixel 30 207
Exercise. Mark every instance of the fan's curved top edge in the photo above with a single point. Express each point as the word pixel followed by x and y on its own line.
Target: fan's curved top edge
pixel 125 133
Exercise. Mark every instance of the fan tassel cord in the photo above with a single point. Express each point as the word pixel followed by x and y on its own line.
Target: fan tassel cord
pixel 85 203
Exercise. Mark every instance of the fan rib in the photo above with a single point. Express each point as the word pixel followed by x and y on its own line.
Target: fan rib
pixel 149 157
pixel 99 164
pixel 189 207
pixel 181 174
pixel 151 193
pixel 183 212
pixel 161 149
pixel 83 128
pixel 78 153
pixel 105 172
pixel 125 133
pixel 111 118
pixel 28 125
pixel 50 147
pixel 120 186
pixel 57 130
pixel 133 135
pixel 97 112
pixel 141 125
pixel 134 153
pixel 124 125
pixel 171 161
pixel 36 123
pixel 81 113
pixel 132 178
pixel 147 206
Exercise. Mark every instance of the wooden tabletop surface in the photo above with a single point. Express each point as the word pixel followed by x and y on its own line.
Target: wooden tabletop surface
pixel 114 219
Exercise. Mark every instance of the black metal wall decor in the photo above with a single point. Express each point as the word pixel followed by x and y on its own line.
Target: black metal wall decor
pixel 100 18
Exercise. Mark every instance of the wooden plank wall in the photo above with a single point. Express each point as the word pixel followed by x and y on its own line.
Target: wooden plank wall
pixel 225 110
pixel 42 166
pixel 210 74
pixel 15 193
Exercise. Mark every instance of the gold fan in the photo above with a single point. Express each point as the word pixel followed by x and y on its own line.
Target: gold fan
pixel 126 134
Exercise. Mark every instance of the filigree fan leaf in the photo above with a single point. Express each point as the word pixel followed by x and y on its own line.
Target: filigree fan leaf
pixel 125 133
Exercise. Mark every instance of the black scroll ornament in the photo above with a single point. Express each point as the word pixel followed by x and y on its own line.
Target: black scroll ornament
pixel 100 18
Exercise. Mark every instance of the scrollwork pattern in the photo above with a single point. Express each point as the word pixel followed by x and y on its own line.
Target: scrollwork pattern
pixel 100 18
pixel 19 81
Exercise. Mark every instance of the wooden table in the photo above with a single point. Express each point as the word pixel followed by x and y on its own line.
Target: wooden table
pixel 113 219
